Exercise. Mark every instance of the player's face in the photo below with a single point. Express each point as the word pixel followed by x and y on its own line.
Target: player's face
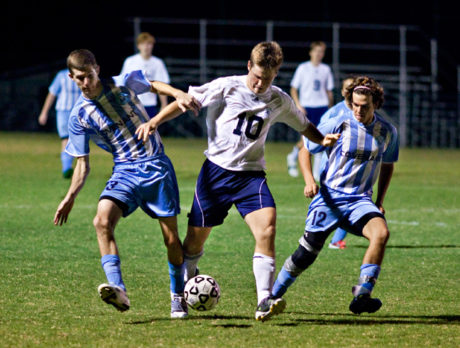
pixel 363 108
pixel 145 48
pixel 259 78
pixel 317 54
pixel 87 80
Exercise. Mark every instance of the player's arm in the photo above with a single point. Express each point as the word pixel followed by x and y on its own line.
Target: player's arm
pixel 184 100
pixel 43 118
pixel 78 181
pixel 295 97
pixel 311 188
pixel 386 172
pixel 313 134
pixel 163 101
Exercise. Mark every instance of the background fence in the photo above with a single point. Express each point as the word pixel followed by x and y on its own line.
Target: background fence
pixel 195 51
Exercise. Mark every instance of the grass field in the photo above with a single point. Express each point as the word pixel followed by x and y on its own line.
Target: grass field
pixel 49 275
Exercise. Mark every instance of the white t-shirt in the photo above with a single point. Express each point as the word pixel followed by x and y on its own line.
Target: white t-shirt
pixel 312 83
pixel 153 68
pixel 238 121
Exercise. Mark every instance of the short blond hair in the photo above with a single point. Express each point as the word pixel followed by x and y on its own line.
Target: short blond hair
pixel 145 37
pixel 80 59
pixel 317 44
pixel 268 55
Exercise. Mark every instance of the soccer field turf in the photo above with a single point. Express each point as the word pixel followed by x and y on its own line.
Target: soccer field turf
pixel 49 275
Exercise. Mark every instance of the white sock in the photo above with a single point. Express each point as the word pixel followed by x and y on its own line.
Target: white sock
pixel 191 262
pixel 264 272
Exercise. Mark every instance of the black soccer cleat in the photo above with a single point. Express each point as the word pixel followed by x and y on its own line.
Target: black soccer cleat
pixel 364 303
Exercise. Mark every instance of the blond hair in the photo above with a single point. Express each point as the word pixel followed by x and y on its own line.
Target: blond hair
pixel 145 37
pixel 80 59
pixel 317 44
pixel 268 55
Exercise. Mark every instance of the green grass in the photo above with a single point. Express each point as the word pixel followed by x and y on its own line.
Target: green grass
pixel 49 275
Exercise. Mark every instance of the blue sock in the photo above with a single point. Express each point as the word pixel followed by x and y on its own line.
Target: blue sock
pixel 66 161
pixel 111 266
pixel 282 283
pixel 367 278
pixel 176 276
pixel 339 235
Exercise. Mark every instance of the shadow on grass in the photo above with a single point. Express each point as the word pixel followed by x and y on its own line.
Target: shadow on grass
pixel 198 318
pixel 352 319
pixel 442 246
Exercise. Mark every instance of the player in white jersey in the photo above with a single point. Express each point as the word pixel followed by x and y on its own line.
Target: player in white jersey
pixel 241 110
pixel 65 92
pixel 311 187
pixel 365 152
pixel 108 112
pixel 152 67
pixel 311 89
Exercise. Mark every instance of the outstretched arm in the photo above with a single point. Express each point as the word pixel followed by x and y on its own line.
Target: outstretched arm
pixel 184 100
pixel 78 181
pixel 386 172
pixel 313 134
pixel 43 118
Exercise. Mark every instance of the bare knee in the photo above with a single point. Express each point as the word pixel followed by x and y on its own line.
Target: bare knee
pixel 380 236
pixel 102 224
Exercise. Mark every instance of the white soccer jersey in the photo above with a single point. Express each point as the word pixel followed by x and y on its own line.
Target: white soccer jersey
pixel 153 68
pixel 238 121
pixel 312 83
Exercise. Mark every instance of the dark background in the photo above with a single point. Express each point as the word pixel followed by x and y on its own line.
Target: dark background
pixel 43 32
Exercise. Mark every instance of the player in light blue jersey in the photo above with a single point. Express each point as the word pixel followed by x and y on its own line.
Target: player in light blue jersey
pixel 311 187
pixel 365 152
pixel 108 112
pixel 65 92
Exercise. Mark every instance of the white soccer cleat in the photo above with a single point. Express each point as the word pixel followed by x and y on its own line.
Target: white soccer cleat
pixel 115 296
pixel 270 307
pixel 179 309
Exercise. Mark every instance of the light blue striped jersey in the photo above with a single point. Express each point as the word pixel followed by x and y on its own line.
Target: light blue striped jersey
pixel 111 120
pixel 354 162
pixel 337 110
pixel 65 89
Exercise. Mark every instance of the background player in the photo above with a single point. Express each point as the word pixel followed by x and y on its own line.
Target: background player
pixel 241 110
pixel 152 67
pixel 366 151
pixel 65 92
pixel 311 89
pixel 311 187
pixel 108 112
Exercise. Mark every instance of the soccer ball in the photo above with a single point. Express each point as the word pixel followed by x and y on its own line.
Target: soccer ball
pixel 202 292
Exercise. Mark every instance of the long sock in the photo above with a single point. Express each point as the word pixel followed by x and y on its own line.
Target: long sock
pixel 367 278
pixel 295 153
pixel 263 267
pixel 339 235
pixel 191 262
pixel 66 161
pixel 111 266
pixel 282 283
pixel 176 276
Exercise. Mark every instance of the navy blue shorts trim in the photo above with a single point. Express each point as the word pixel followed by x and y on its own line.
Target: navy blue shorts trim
pixel 217 189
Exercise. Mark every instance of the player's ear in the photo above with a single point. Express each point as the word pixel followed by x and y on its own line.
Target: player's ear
pixel 249 65
pixel 98 69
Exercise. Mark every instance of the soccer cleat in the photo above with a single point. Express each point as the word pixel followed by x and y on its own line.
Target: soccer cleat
pixel 67 174
pixel 115 296
pixel 292 166
pixel 179 307
pixel 270 307
pixel 341 244
pixel 364 303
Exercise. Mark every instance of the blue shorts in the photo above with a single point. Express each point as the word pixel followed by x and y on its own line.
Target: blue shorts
pixel 217 189
pixel 331 209
pixel 62 123
pixel 314 114
pixel 149 183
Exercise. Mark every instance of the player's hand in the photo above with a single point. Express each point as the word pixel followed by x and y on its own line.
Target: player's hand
pixel 330 139
pixel 145 130
pixel 187 102
pixel 311 189
pixel 63 211
pixel 42 119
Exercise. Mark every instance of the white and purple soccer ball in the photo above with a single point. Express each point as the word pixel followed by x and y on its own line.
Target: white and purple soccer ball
pixel 202 292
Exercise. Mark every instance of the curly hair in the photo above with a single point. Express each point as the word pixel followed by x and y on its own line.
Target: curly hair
pixel 365 85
